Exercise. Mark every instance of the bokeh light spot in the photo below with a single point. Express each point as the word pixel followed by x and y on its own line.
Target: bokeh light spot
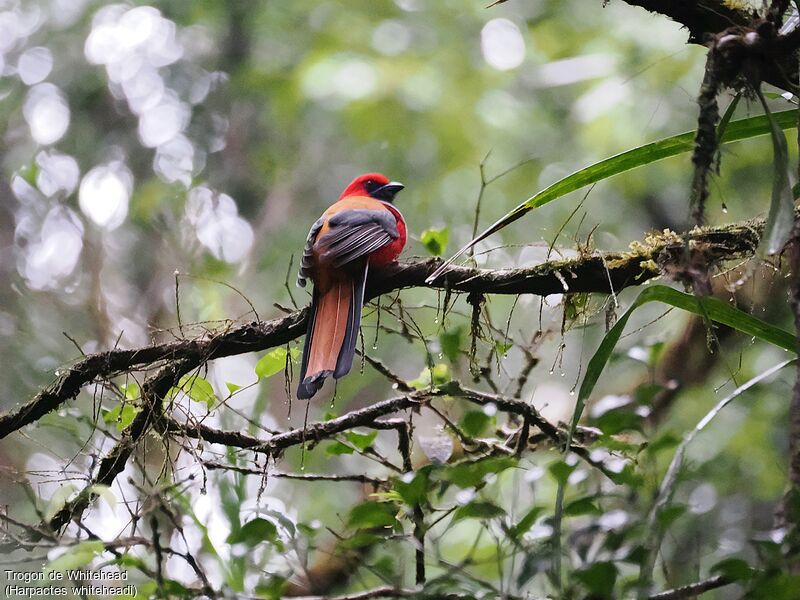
pixel 163 122
pixel 34 65
pixel 391 38
pixel 174 161
pixel 46 112
pixel 218 225
pixel 104 194
pixel 57 173
pixel 50 250
pixel 502 44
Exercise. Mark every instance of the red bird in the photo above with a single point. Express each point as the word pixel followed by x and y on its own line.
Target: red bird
pixel 361 230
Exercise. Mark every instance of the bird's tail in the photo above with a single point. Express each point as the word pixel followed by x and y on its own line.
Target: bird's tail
pixel 333 322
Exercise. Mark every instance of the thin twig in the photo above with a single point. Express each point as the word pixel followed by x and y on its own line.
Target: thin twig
pixel 693 589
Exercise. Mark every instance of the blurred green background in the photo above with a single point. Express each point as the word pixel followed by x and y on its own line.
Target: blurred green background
pixel 203 138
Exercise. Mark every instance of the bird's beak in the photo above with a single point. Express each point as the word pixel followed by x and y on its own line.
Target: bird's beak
pixel 387 192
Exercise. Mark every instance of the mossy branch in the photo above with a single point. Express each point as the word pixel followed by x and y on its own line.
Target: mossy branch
pixel 595 272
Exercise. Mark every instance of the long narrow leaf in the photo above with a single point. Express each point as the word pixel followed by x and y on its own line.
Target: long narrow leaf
pixel 707 307
pixel 667 487
pixel 626 161
pixel 780 220
pixel 726 118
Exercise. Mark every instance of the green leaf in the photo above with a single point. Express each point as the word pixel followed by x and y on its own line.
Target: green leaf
pixel 535 562
pixel 435 240
pixel 780 220
pixel 198 389
pixel 372 514
pixel 274 361
pixel 362 441
pixel 615 421
pixel 669 514
pixel 58 500
pixel 561 471
pixel 582 506
pixel 129 562
pixel 338 449
pixel 627 476
pixel 626 161
pixel 450 341
pixel 707 307
pixel 646 392
pixel 78 556
pixel 256 531
pixel 168 589
pixel 361 539
pixel 466 475
pixel 726 118
pixel 273 587
pixel 474 422
pixel 526 522
pixel 386 568
pixel 131 391
pixel 734 569
pixel 307 530
pixel 774 586
pixel 665 441
pixel 284 521
pixel 502 348
pixel 104 492
pixel 122 415
pixel 439 375
pixel 414 491
pixel 599 579
pixel 478 510
pixel 232 387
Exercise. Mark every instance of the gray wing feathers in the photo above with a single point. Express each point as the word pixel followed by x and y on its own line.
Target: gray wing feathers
pixel 356 233
pixel 306 262
pixel 364 216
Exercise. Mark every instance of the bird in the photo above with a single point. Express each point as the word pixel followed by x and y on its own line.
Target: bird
pixel 362 230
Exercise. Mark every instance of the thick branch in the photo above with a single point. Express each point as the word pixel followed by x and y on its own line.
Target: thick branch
pixel 246 338
pixel 599 272
pixel 700 17
pixel 154 391
pixel 706 18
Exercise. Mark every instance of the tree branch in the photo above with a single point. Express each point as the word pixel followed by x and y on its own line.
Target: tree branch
pixel 700 17
pixel 693 589
pixel 707 18
pixel 601 273
pixel 153 392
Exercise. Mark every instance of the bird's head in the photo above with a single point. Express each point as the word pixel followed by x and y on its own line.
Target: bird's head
pixel 373 184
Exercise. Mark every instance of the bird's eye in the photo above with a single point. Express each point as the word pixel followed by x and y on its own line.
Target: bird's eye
pixel 372 186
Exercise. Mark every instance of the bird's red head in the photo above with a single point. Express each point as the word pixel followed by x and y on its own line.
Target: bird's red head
pixel 372 184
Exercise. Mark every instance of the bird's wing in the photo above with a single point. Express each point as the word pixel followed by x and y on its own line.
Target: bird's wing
pixel 354 233
pixel 307 261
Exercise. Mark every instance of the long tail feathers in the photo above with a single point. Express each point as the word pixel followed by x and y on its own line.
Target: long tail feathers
pixel 348 350
pixel 333 325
